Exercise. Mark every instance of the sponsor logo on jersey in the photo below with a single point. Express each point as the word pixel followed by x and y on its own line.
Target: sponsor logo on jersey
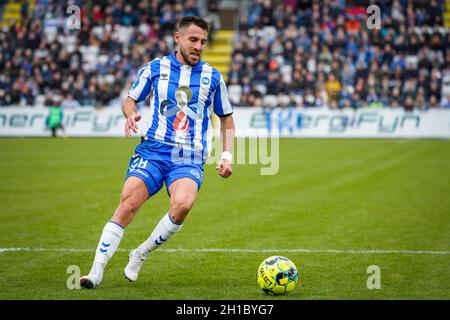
pixel 180 107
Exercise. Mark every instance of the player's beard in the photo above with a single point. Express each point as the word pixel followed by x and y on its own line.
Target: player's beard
pixel 187 59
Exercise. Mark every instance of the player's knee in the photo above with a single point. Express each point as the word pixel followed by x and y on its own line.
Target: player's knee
pixel 180 206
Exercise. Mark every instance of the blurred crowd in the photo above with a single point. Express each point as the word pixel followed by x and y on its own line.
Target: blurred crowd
pixel 299 53
pixel 288 53
pixel 44 57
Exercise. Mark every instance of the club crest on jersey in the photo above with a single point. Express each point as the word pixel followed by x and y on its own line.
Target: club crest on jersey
pixel 205 81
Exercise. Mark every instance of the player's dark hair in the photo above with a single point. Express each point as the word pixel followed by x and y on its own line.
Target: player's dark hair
pixel 187 21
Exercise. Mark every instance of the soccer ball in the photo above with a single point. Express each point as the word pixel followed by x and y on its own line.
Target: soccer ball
pixel 277 275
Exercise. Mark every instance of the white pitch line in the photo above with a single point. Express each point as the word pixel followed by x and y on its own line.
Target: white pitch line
pixel 231 250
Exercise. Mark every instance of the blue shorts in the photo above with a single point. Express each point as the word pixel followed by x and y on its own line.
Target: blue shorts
pixel 156 163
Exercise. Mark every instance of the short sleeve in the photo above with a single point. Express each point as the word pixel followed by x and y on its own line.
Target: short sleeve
pixel 142 86
pixel 222 106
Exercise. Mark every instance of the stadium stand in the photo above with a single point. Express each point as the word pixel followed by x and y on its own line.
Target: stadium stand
pixel 323 54
pixel 288 53
pixel 41 56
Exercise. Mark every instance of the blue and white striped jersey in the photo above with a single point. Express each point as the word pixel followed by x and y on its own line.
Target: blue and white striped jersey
pixel 182 101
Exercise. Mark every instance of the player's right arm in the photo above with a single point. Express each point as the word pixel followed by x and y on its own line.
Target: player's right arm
pixel 129 109
pixel 138 92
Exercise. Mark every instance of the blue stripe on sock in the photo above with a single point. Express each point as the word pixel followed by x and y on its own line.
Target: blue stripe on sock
pixel 117 224
pixel 178 224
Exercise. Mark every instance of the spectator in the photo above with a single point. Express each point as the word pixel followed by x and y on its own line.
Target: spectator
pixel 420 100
pixel 69 102
pixel 5 98
pixel 356 101
pixel 434 102
pixel 445 102
pixel 409 104
pixel 333 86
pixel 344 97
pixel 261 74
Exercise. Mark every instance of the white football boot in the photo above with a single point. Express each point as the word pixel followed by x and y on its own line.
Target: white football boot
pixel 133 267
pixel 94 277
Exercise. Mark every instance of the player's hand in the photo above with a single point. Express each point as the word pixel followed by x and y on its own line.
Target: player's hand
pixel 131 124
pixel 224 168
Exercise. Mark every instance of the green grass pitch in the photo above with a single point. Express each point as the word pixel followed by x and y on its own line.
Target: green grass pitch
pixel 339 195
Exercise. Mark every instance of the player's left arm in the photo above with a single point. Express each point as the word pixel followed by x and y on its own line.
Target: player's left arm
pixel 224 110
pixel 138 92
pixel 224 168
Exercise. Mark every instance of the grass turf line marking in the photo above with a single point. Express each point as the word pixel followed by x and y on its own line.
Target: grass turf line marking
pixel 231 250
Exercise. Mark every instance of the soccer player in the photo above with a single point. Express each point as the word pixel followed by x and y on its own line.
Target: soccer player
pixel 184 92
